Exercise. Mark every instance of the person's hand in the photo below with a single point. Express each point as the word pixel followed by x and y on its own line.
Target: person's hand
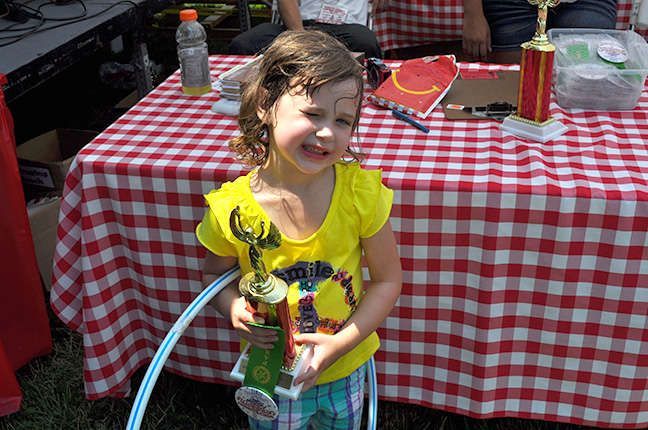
pixel 326 351
pixel 476 41
pixel 257 336
pixel 379 6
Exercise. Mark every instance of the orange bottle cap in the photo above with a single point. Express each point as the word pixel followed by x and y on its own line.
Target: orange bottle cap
pixel 188 15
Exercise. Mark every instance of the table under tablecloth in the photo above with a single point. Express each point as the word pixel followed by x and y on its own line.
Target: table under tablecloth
pixel 525 283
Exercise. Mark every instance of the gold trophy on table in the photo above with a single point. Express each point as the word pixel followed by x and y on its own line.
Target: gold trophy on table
pixel 532 119
pixel 265 372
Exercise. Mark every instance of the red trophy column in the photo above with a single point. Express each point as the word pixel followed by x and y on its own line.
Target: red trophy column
pixel 532 119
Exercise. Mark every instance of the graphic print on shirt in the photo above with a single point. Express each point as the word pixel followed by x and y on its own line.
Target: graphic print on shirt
pixel 308 318
pixel 311 277
pixel 345 281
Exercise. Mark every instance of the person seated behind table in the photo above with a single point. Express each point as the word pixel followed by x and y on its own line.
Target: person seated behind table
pixel 493 30
pixel 346 20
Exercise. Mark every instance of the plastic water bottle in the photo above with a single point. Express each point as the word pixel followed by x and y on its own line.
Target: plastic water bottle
pixel 193 54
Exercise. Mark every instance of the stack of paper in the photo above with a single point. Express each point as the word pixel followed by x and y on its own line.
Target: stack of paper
pixel 231 82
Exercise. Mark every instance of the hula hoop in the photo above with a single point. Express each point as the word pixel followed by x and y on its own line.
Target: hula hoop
pixel 165 348
pixel 178 329
pixel 372 394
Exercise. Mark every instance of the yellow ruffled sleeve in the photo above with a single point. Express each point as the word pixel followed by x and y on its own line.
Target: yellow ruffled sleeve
pixel 211 232
pixel 372 201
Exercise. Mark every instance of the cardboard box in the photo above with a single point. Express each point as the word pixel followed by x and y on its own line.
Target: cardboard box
pixel 129 101
pixel 43 221
pixel 44 162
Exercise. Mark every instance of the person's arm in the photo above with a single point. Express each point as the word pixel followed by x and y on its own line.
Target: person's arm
pixel 290 14
pixel 476 32
pixel 229 303
pixel 384 265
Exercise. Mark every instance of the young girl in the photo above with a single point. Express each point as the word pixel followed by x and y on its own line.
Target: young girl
pixel 297 118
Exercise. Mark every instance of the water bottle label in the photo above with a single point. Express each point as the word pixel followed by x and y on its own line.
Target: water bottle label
pixel 194 68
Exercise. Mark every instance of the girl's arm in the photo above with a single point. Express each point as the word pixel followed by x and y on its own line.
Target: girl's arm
pixel 229 303
pixel 384 265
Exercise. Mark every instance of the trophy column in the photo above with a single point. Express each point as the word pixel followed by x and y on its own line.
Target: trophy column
pixel 264 372
pixel 532 119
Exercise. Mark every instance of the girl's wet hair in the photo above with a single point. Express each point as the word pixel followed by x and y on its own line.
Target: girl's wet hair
pixel 305 59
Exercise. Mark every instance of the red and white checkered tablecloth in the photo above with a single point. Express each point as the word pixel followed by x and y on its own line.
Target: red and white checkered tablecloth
pixel 420 22
pixel 525 264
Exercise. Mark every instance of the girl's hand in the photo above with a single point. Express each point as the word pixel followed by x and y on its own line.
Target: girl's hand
pixel 232 306
pixel 326 351
pixel 257 336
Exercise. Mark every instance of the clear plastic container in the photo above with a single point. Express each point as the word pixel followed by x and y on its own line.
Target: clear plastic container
pixel 193 54
pixel 583 77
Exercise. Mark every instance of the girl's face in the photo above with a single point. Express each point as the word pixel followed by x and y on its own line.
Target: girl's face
pixel 309 134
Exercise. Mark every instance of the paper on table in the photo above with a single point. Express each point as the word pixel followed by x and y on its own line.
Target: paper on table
pixel 472 89
pixel 230 82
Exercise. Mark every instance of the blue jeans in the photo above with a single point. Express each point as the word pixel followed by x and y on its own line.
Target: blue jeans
pixel 357 37
pixel 513 22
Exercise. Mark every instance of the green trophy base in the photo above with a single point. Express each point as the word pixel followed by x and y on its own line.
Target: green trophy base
pixel 284 385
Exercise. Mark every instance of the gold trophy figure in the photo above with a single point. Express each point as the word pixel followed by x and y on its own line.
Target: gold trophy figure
pixel 264 292
pixel 264 372
pixel 532 119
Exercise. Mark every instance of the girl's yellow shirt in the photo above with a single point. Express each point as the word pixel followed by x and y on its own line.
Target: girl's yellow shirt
pixel 323 271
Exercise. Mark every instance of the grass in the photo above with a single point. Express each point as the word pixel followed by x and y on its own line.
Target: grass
pixel 53 398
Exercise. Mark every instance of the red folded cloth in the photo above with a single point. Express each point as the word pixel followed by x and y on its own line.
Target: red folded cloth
pixel 10 395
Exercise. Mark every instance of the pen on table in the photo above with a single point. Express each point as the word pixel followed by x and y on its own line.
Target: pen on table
pixel 409 120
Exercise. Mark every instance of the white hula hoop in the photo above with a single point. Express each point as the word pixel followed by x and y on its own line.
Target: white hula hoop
pixel 169 342
pixel 165 348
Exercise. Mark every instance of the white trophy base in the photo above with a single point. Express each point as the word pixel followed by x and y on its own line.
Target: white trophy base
pixel 285 385
pixel 541 134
